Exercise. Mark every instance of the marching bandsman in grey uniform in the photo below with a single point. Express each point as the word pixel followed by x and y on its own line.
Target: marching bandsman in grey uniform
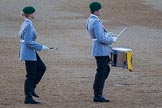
pixel 35 68
pixel 100 50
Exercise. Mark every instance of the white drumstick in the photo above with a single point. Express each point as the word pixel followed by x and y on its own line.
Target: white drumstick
pixel 121 31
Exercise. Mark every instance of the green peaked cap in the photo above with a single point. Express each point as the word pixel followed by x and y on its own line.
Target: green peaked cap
pixel 94 6
pixel 28 10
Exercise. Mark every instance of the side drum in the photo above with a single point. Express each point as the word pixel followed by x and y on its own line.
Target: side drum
pixel 121 57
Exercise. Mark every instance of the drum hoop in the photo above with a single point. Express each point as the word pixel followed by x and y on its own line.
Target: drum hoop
pixel 121 49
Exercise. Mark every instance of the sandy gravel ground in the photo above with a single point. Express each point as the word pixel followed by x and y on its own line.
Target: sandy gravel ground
pixel 70 71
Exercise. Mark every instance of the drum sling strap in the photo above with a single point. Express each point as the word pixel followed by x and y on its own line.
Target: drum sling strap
pixel 129 60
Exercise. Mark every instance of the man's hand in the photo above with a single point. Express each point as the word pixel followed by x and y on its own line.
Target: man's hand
pixel 114 39
pixel 45 47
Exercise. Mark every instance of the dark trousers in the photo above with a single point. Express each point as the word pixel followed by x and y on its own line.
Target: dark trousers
pixel 34 73
pixel 103 70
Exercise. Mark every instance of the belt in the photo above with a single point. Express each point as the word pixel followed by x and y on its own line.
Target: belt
pixel 94 39
pixel 22 40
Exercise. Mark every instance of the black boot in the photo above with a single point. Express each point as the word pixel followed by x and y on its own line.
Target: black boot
pixel 30 100
pixel 99 98
pixel 35 94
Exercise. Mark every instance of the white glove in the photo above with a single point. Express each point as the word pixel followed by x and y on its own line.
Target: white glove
pixel 109 34
pixel 114 39
pixel 45 48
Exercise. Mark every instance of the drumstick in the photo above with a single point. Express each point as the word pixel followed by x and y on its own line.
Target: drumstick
pixel 121 32
pixel 54 48
pixel 50 48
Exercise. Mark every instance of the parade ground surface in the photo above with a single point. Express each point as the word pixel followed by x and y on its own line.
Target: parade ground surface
pixel 70 73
